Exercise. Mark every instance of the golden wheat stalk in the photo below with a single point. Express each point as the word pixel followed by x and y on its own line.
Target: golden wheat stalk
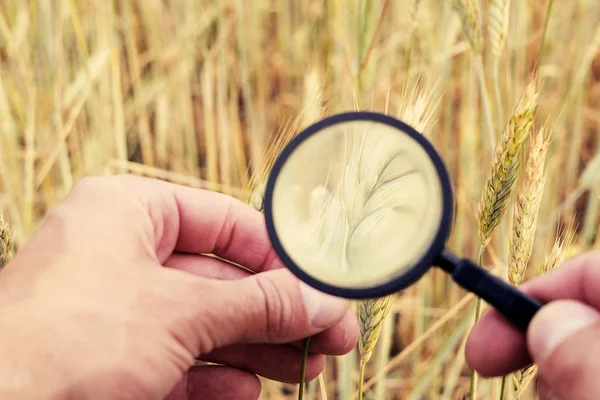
pixel 526 208
pixel 470 17
pixel 498 30
pixel 501 179
pixel 7 243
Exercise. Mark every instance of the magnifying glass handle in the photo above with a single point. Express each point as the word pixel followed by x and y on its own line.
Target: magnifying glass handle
pixel 512 303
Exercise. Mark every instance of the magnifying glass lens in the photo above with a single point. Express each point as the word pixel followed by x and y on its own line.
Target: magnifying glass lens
pixel 357 203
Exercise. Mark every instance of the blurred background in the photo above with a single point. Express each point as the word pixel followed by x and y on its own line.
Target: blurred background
pixel 204 93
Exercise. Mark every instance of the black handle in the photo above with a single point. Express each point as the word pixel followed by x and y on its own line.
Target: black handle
pixel 515 305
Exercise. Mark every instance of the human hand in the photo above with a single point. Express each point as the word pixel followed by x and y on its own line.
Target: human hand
pixel 563 338
pixel 110 299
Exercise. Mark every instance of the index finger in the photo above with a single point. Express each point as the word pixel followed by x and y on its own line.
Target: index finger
pixel 577 279
pixel 168 218
pixel 211 222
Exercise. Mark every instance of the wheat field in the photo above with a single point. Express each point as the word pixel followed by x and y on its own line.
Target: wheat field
pixel 205 92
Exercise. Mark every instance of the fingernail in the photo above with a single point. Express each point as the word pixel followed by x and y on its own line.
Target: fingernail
pixel 323 310
pixel 555 323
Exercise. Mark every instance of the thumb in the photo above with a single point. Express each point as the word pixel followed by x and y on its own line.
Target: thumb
pixel 269 307
pixel 564 340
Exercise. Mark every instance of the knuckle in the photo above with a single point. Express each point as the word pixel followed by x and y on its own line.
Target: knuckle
pixel 277 309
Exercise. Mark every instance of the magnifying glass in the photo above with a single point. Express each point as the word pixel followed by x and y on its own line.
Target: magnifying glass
pixel 360 205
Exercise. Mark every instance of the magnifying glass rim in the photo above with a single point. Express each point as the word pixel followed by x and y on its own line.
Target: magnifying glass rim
pixel 401 281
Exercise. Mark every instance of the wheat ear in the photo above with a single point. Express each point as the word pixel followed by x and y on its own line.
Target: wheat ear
pixel 470 17
pixel 7 243
pixel 371 315
pixel 525 217
pixel 498 25
pixel 526 209
pixel 559 252
pixel 501 178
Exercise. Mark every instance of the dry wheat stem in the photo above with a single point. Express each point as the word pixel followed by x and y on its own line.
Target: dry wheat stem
pixel 526 209
pixel 501 179
pixel 498 30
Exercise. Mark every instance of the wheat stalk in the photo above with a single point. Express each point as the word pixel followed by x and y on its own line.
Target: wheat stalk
pixel 526 209
pixel 470 17
pixel 503 174
pixel 501 179
pixel 498 30
pixel 7 243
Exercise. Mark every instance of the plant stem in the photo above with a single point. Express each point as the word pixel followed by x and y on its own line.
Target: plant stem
pixel 485 98
pixel 497 95
pixel 473 390
pixel 303 369
pixel 361 379
pixel 544 33
pixel 502 386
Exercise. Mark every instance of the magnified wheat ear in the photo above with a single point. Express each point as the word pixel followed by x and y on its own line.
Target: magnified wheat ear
pixel 501 179
pixel 7 243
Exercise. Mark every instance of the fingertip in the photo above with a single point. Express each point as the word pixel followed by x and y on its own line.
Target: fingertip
pixel 323 310
pixel 494 347
pixel 315 364
pixel 337 340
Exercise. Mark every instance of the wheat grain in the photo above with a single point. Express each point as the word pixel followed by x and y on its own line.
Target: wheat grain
pixel 498 25
pixel 501 178
pixel 470 18
pixel 6 243
pixel 526 209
